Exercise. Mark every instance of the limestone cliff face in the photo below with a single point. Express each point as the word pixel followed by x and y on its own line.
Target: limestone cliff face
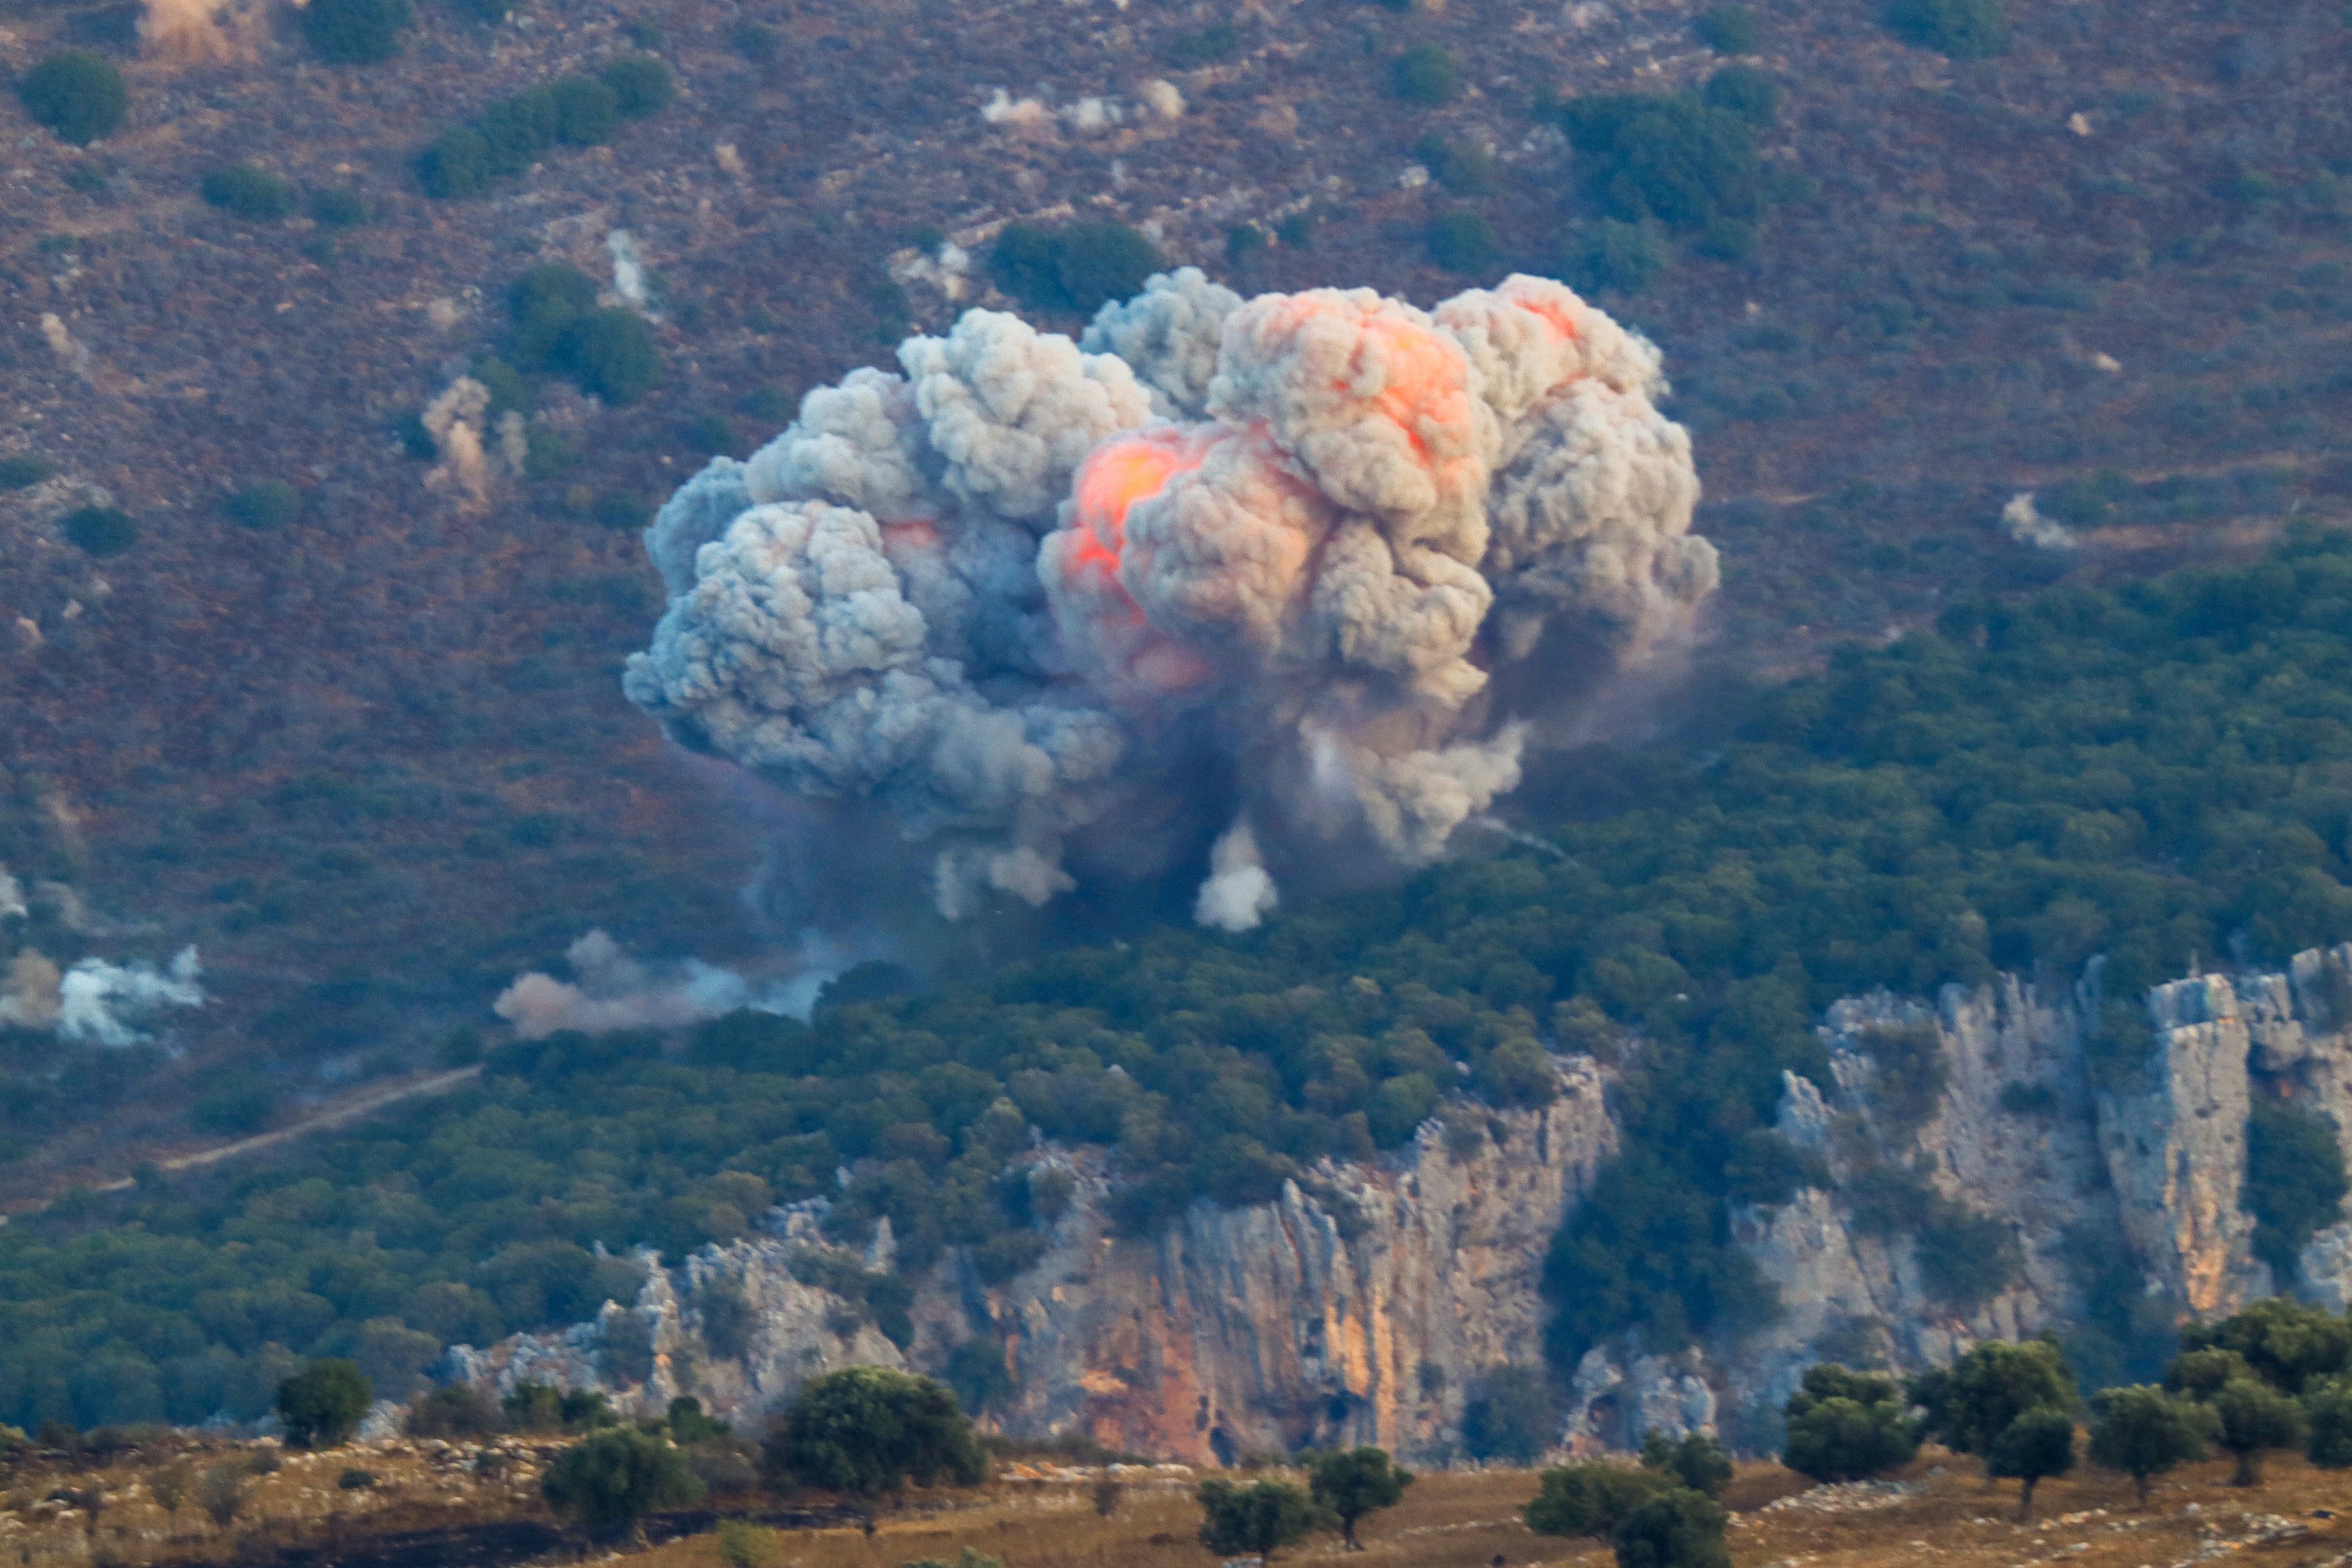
pixel 1358 1311
pixel 1366 1302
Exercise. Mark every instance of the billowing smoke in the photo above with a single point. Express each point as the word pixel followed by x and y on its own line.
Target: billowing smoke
pixel 611 991
pixel 1252 562
pixel 94 1002
pixel 200 30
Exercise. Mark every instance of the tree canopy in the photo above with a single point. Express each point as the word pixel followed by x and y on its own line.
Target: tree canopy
pixel 866 1431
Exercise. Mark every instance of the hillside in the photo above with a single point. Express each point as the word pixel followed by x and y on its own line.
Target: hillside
pixel 365 748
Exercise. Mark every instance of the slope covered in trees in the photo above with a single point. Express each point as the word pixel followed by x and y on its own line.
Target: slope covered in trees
pixel 2153 773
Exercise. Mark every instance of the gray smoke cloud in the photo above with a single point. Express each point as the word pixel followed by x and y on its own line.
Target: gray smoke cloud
pixel 613 991
pixel 1027 592
pixel 95 1002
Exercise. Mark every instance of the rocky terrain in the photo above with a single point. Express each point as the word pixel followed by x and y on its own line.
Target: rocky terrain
pixel 1370 1303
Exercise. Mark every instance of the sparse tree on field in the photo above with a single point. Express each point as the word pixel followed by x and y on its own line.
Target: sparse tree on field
pixel 1847 1426
pixel 1257 1520
pixel 1677 1527
pixel 220 1492
pixel 324 1404
pixel 864 1431
pixel 2256 1418
pixel 609 1483
pixel 1591 1499
pixel 2144 1432
pixel 2037 1445
pixel 1356 1482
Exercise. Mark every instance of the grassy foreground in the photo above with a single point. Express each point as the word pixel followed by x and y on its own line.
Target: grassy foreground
pixel 1046 1518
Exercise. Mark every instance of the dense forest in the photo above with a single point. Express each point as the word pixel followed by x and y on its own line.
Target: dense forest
pixel 2157 772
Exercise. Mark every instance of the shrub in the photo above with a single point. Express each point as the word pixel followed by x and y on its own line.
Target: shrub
pixel 1964 29
pixel 1426 74
pixel 612 1480
pixel 2288 1345
pixel 324 1404
pixel 457 164
pixel 79 95
pixel 1971 1403
pixel 264 506
pixel 1745 91
pixel 1203 47
pixel 610 351
pixel 1591 1498
pixel 1726 29
pixel 864 1431
pixel 338 206
pixel 220 1492
pixel 2329 1410
pixel 1462 241
pixel 247 192
pixel 246 1103
pixel 355 1480
pixel 1508 1415
pixel 641 85
pixel 1677 159
pixel 1694 1460
pixel 742 1544
pixel 1619 258
pixel 2295 1181
pixel 1077 267
pixel 587 111
pixel 21 471
pixel 1847 1427
pixel 1966 1259
pixel 459 1410
pixel 1676 1528
pixel 355 32
pixel 1464 168
pixel 1256 1521
pixel 100 530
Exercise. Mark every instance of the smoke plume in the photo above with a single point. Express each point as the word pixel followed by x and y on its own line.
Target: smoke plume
pixel 94 1002
pixel 200 30
pixel 1037 604
pixel 611 991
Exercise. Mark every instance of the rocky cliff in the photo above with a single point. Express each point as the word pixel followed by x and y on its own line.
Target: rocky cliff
pixel 1987 1166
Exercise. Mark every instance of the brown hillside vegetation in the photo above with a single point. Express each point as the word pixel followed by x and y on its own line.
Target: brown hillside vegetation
pixel 373 759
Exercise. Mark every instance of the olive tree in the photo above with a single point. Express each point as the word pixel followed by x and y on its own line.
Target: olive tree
pixel 866 1431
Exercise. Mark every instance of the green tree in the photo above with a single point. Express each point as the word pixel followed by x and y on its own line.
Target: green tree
pixel 1077 266
pixel 79 95
pixel 1847 1426
pixel 1355 1482
pixel 1591 1499
pixel 1971 1403
pixel 864 1431
pixel 610 1482
pixel 611 353
pixel 355 32
pixel 1257 1520
pixel 264 506
pixel 250 192
pixel 2037 1445
pixel 2328 1408
pixel 2203 1373
pixel 1964 29
pixel 100 530
pixel 2255 1419
pixel 641 85
pixel 1694 1460
pixel 2144 1432
pixel 1676 1528
pixel 2295 1181
pixel 324 1404
pixel 2288 1345
pixel 1426 74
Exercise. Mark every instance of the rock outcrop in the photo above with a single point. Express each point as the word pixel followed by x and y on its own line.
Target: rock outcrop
pixel 1974 1158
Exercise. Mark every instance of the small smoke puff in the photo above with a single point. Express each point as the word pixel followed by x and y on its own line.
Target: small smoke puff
pixel 729 160
pixel 12 895
pixel 72 354
pixel 2026 524
pixel 454 420
pixel 98 1002
pixel 1089 115
pixel 1013 114
pixel 1161 100
pixel 1169 334
pixel 1239 893
pixel 28 994
pixel 628 268
pixel 616 992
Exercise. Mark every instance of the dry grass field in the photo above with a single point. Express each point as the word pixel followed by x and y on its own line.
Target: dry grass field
pixel 297 1516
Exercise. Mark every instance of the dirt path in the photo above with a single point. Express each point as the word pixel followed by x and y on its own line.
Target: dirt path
pixel 335 1113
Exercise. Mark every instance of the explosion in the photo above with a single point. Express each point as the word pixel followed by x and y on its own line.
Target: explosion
pixel 1258 558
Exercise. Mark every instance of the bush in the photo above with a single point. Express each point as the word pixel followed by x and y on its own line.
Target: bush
pixel 1966 1259
pixel 2288 1345
pixel 1462 241
pixel 79 95
pixel 610 351
pixel 459 1410
pixel 2295 1181
pixel 1508 1415
pixel 355 32
pixel 1203 47
pixel 641 85
pixel 1464 168
pixel 1964 29
pixel 100 530
pixel 338 206
pixel 1674 159
pixel 1256 1521
pixel 1726 29
pixel 612 1480
pixel 247 192
pixel 864 1431
pixel 355 1480
pixel 1694 1460
pixel 742 1544
pixel 1591 1498
pixel 1847 1427
pixel 1077 267
pixel 1745 91
pixel 324 1404
pixel 21 471
pixel 2328 1408
pixel 245 1103
pixel 1618 258
pixel 457 164
pixel 587 111
pixel 1677 1527
pixel 264 506
pixel 1427 74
